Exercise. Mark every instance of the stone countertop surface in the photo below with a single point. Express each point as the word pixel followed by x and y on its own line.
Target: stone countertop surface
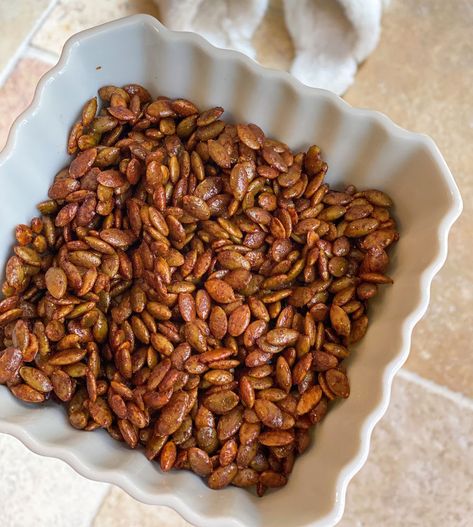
pixel 420 468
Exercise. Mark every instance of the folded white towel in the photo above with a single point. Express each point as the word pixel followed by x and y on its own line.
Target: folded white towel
pixel 331 37
pixel 224 23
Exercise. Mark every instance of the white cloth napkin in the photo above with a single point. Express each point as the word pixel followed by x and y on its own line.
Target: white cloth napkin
pixel 331 37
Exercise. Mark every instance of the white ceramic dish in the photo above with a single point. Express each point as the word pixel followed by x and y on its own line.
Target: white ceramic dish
pixel 361 147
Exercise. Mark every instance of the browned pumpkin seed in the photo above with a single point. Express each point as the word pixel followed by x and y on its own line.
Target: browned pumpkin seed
pixel 362 227
pixel 187 307
pixel 282 337
pixel 62 385
pixel 100 412
pixel 219 154
pixel 246 477
pixel 276 438
pixel 222 476
pixel 220 291
pixel 82 163
pixel 56 282
pixel 10 361
pixel 218 323
pixel 240 178
pixel 247 392
pixel 67 356
pixel 269 414
pixel 309 399
pixel 324 361
pixel 209 116
pixel 340 320
pixel 248 136
pixel 221 402
pixel 36 379
pixel 27 394
pixel 199 462
pixel 129 433
pixel 239 320
pixel 337 382
pixel 272 479
pixel 168 456
pixel 172 414
pixel 196 207
pixel 228 452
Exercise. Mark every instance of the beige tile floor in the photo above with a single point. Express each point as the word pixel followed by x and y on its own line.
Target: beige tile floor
pixel 51 489
pixel 70 16
pixel 420 469
pixel 18 91
pixel 18 20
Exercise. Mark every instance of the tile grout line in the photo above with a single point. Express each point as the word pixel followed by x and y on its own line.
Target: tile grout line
pixel 437 389
pixel 105 494
pixel 44 55
pixel 17 55
pixel 102 504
